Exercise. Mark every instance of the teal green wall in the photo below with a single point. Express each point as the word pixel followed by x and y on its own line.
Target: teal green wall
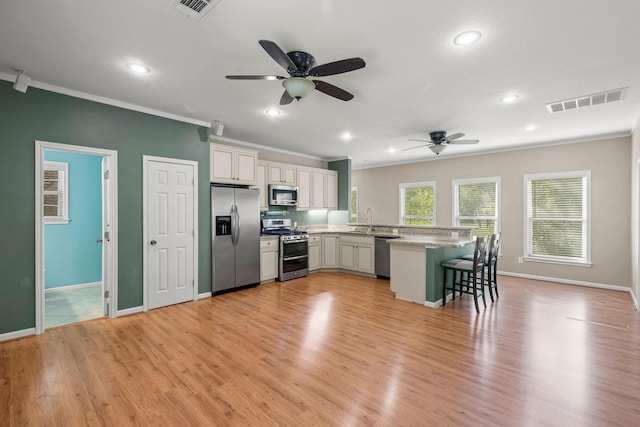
pixel 71 254
pixel 343 167
pixel 47 116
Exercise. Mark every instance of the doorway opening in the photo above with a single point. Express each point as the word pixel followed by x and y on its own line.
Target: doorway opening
pixel 75 234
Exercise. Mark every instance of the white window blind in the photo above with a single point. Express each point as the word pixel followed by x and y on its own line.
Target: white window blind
pixel 418 203
pixel 55 178
pixel 476 204
pixel 558 217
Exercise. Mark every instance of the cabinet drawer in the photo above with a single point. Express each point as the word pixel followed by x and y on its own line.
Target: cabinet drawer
pixel 356 240
pixel 270 244
pixel 315 239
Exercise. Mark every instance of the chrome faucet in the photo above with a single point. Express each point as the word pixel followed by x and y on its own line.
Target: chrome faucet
pixel 369 218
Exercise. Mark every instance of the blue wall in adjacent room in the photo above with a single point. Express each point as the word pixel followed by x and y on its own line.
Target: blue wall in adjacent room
pixel 72 255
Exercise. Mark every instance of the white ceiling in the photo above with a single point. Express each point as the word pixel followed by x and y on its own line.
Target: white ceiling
pixel 415 81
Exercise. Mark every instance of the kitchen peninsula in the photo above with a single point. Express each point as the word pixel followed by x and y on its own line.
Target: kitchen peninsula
pixel 416 274
pixel 416 254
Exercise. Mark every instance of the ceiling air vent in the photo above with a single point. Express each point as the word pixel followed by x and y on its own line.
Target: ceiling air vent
pixel 195 9
pixel 588 100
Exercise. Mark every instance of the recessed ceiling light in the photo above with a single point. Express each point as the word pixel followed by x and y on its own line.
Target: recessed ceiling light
pixel 272 113
pixel 346 136
pixel 138 68
pixel 392 150
pixel 530 127
pixel 467 38
pixel 508 99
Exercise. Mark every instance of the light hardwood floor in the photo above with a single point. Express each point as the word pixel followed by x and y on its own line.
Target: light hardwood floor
pixel 337 349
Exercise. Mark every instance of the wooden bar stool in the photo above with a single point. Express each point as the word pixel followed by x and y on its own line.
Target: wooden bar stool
pixel 491 263
pixel 469 272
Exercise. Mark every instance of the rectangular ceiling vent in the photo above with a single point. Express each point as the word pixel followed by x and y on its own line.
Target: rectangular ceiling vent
pixel 588 100
pixel 195 9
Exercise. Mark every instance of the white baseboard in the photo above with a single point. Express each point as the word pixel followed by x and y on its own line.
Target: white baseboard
pixel 72 287
pixel 635 300
pixel 17 334
pixel 204 295
pixel 567 281
pixel 128 311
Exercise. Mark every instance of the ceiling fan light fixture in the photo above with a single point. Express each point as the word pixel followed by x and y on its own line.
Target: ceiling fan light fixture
pixel 437 148
pixel 298 87
pixel 467 38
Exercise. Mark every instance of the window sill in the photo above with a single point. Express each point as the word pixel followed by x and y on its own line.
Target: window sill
pixel 557 261
pixel 57 221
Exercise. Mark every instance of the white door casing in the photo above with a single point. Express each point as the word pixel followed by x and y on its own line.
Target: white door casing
pixel 110 217
pixel 170 230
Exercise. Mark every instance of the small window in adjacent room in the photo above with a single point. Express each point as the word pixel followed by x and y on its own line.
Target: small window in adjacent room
pixel 55 177
pixel 558 217
pixel 418 203
pixel 354 204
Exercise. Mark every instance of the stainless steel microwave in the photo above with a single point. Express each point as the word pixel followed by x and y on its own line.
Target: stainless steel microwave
pixel 283 195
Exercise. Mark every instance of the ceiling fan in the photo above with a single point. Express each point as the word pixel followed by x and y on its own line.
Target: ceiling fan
pixel 301 65
pixel 440 140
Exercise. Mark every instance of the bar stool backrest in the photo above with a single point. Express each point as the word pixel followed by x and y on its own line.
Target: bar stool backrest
pixel 494 247
pixel 479 252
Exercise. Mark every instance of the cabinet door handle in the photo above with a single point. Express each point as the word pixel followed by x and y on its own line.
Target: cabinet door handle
pixel 153 242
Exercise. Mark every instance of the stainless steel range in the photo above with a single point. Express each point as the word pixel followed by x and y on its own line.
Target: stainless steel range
pixel 294 248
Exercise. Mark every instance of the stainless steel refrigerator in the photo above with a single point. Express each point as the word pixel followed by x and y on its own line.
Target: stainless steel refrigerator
pixel 235 238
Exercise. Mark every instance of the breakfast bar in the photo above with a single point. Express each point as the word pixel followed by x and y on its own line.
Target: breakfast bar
pixel 416 274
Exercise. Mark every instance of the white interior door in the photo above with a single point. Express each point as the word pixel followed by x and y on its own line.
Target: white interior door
pixel 171 233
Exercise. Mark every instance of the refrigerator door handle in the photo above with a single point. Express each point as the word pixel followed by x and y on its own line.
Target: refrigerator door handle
pixel 238 224
pixel 233 224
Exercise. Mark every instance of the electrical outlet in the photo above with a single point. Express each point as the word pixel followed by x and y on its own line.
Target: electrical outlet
pixel 520 260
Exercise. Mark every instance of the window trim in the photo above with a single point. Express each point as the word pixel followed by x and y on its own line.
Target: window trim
pixel 454 200
pixel 586 261
pixel 403 186
pixel 354 215
pixel 64 167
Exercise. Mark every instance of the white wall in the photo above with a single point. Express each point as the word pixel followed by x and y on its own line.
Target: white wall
pixel 611 179
pixel 635 210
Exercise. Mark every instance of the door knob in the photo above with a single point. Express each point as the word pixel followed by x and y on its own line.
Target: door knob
pixel 153 242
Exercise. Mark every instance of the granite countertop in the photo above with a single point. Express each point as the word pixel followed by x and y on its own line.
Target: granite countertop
pixel 268 237
pixel 430 242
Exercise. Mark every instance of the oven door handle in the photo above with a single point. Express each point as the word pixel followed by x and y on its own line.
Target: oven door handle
pixel 293 258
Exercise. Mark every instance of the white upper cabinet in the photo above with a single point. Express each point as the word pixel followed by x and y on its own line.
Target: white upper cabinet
pixel 324 189
pixel 231 165
pixel 262 185
pixel 282 174
pixel 304 188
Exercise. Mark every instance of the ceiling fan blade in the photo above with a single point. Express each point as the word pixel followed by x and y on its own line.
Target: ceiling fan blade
pixel 247 77
pixel 337 67
pixel 465 141
pixel 286 98
pixel 278 55
pixel 417 146
pixel 419 140
pixel 454 136
pixel 332 90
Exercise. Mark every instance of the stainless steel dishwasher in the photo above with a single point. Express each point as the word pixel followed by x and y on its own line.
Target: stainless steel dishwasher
pixel 383 257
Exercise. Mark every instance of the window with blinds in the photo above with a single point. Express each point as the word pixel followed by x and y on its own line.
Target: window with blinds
pixel 418 203
pixel 558 217
pixel 55 176
pixel 476 204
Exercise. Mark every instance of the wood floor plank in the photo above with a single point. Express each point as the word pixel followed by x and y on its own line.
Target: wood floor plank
pixel 337 349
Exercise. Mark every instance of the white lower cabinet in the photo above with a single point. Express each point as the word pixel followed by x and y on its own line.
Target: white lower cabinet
pixel 268 259
pixel 357 254
pixel 315 252
pixel 330 251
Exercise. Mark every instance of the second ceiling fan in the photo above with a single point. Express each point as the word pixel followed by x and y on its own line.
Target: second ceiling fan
pixel 440 140
pixel 299 66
